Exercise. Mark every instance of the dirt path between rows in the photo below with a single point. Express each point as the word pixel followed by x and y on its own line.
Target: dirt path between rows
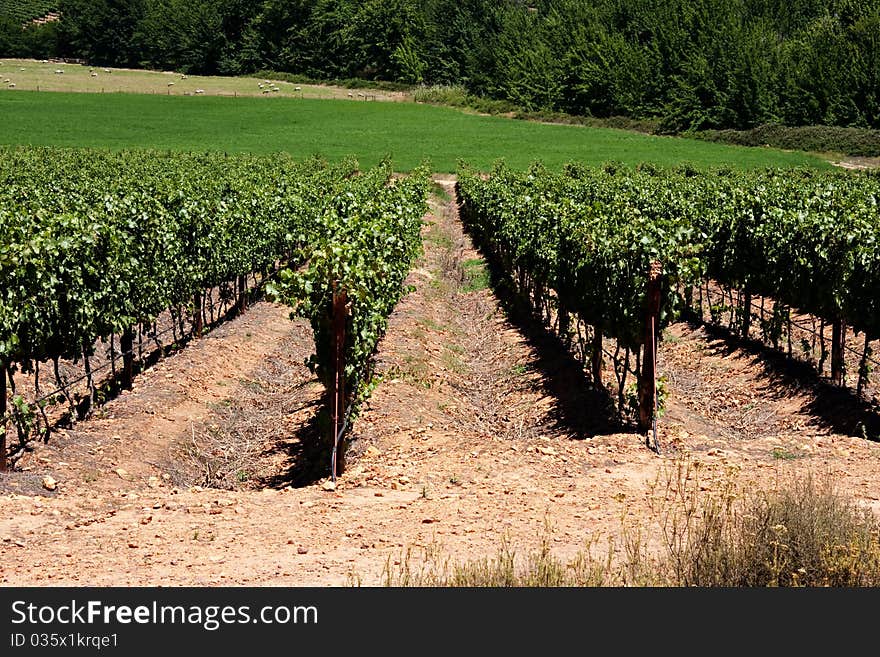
pixel 480 430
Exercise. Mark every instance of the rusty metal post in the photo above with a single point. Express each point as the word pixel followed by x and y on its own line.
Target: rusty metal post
pixel 838 346
pixel 648 379
pixel 337 409
pixel 747 312
pixel 127 347
pixel 198 322
pixel 2 416
pixel 340 373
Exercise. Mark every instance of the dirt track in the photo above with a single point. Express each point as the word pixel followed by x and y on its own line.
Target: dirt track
pixel 480 429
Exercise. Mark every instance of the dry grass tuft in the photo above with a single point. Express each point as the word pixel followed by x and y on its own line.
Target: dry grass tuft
pixel 804 534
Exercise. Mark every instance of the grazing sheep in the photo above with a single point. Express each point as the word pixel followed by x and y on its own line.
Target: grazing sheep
pixel 12 85
pixel 170 84
pixel 200 91
pixel 94 75
pixel 58 71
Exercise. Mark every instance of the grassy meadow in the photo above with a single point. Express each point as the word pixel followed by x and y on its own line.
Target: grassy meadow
pixel 33 75
pixel 123 109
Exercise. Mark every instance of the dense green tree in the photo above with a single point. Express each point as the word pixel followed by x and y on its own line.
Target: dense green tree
pixel 692 64
pixel 102 31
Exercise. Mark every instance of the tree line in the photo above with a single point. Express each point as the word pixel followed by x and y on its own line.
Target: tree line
pixel 689 64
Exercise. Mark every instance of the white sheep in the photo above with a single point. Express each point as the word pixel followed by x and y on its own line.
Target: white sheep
pixel 170 84
pixel 12 85
pixel 200 91
pixel 94 75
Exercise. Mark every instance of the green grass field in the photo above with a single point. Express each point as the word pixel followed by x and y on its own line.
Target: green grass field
pixel 408 132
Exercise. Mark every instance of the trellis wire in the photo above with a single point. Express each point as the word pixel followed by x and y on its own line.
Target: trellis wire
pixel 808 329
pixel 111 363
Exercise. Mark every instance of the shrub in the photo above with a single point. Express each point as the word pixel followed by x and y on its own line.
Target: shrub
pixel 803 535
pixel 863 142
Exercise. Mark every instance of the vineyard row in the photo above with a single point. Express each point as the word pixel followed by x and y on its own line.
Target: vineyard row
pixel 94 244
pixel 585 242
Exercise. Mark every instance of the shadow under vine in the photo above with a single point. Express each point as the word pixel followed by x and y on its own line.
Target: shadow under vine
pixel 831 407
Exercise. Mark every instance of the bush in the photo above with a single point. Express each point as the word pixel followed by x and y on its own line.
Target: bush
pixel 458 96
pixel 441 94
pixel 647 126
pixel 347 83
pixel 863 142
pixel 803 535
pixel 540 568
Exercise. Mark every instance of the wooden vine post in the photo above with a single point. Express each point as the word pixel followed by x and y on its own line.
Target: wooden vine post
pixel 198 323
pixel 564 323
pixel 746 312
pixel 648 382
pixel 596 357
pixel 2 416
pixel 242 294
pixel 838 347
pixel 337 392
pixel 863 366
pixel 127 346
